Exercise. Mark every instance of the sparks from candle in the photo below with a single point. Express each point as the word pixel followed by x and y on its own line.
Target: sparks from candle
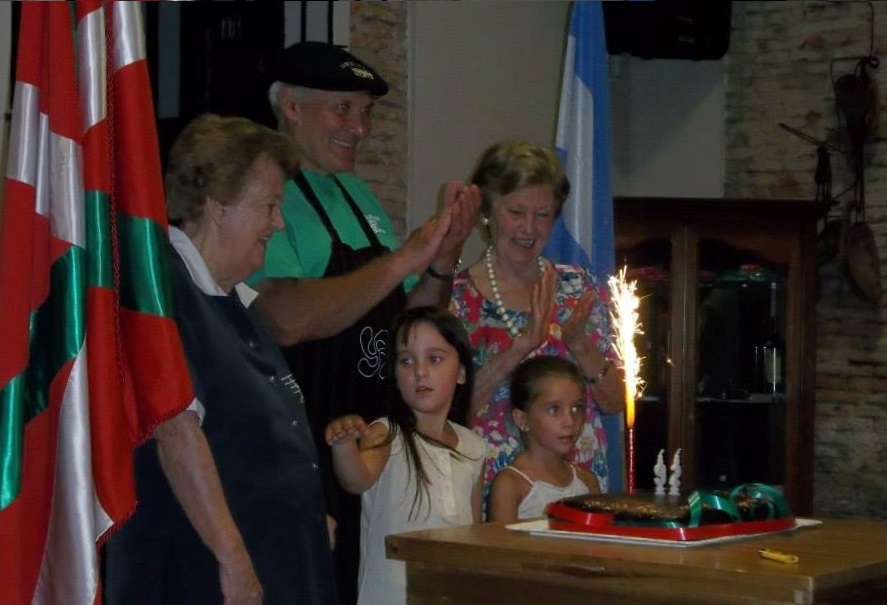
pixel 624 305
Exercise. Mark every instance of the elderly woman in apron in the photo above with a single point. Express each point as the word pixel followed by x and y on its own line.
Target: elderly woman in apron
pixel 231 504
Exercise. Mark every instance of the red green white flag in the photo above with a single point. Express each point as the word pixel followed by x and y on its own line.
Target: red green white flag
pixel 91 359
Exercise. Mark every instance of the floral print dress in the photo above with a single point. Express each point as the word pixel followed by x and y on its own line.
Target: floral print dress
pixel 489 335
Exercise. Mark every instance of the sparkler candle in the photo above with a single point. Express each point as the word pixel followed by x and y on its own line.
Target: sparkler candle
pixel 626 325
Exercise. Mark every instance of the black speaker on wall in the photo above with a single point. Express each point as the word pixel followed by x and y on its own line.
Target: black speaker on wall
pixel 664 29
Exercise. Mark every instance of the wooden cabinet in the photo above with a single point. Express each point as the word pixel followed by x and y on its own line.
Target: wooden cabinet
pixel 710 272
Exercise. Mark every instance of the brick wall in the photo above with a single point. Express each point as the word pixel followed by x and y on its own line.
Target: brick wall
pixel 378 36
pixel 778 71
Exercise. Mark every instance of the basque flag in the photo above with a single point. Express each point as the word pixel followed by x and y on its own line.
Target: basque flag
pixel 91 359
pixel 584 233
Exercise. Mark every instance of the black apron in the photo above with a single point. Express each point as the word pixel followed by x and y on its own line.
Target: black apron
pixel 346 374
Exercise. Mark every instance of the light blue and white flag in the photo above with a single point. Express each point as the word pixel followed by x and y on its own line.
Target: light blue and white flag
pixel 584 233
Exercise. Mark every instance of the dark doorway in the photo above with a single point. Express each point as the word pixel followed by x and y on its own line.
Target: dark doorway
pixel 211 57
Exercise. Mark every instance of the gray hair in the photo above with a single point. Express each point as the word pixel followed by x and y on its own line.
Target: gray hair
pixel 299 93
pixel 214 157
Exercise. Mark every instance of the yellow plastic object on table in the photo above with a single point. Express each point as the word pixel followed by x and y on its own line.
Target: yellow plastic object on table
pixel 775 555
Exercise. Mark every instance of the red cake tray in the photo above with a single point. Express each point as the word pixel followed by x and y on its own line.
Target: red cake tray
pixel 541 528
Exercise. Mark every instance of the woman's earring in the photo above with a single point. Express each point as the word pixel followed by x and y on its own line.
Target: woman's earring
pixel 485 221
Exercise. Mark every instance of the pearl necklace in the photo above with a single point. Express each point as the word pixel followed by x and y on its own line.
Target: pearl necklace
pixel 510 320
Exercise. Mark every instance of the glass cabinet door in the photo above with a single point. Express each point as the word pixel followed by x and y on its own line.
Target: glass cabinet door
pixel 728 307
pixel 740 368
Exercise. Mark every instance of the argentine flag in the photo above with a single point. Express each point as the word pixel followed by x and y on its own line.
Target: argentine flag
pixel 584 233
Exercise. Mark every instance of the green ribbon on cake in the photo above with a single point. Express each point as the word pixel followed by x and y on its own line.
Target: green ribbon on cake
pixel 765 496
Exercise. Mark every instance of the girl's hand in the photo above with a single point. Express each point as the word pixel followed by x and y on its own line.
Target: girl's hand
pixel 345 429
pixel 541 304
pixel 573 332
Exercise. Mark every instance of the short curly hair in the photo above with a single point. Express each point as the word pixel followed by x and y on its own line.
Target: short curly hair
pixel 507 166
pixel 213 156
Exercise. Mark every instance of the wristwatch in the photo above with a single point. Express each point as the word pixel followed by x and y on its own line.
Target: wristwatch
pixel 444 276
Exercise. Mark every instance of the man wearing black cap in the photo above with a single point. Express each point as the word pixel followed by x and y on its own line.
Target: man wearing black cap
pixel 337 276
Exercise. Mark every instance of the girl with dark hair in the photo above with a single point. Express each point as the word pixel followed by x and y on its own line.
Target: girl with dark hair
pixel 548 399
pixel 420 467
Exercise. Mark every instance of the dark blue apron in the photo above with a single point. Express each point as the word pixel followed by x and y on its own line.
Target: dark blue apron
pixel 257 428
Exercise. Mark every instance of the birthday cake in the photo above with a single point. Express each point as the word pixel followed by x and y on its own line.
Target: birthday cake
pixel 656 508
pixel 749 508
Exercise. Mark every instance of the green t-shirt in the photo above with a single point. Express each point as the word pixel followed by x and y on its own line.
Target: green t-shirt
pixel 302 248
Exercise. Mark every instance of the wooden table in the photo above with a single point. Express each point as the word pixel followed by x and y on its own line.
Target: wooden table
pixel 842 562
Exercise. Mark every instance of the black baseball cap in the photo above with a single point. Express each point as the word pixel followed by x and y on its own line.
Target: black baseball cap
pixel 327 67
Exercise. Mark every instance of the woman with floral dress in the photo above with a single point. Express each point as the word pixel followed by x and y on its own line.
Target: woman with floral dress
pixel 516 304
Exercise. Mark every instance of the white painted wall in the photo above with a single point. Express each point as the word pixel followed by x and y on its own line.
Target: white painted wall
pixel 668 127
pixel 479 72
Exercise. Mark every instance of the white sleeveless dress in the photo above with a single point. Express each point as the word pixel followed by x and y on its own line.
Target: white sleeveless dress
pixel 542 493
